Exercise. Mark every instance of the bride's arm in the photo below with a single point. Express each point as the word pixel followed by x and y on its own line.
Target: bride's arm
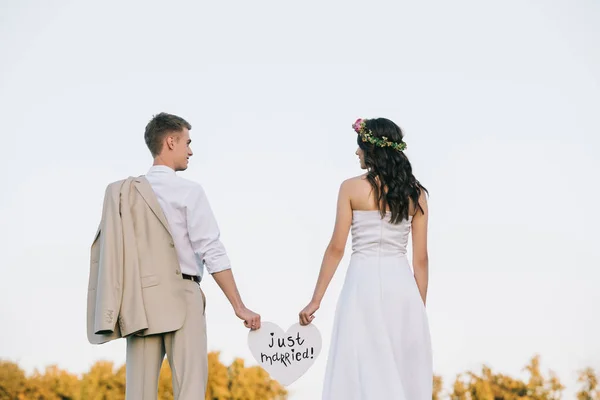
pixel 419 241
pixel 333 254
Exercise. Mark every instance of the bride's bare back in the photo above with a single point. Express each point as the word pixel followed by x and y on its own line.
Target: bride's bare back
pixel 362 195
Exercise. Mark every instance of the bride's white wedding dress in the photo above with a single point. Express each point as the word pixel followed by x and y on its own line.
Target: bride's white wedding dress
pixel 380 346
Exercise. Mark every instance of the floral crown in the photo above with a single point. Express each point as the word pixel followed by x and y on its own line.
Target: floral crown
pixel 367 136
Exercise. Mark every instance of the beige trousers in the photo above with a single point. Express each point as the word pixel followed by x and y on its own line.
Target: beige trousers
pixel 186 350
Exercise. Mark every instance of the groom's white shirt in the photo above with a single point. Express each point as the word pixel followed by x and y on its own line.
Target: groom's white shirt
pixel 195 232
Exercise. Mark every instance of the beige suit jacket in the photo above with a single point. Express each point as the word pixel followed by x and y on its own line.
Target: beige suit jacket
pixel 135 283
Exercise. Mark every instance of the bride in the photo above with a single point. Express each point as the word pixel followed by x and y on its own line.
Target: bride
pixel 380 345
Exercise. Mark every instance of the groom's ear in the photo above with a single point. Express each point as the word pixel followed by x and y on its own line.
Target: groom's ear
pixel 170 141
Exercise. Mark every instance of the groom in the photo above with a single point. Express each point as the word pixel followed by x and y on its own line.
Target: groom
pixel 156 235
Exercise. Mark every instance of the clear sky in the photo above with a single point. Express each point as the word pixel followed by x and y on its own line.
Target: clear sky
pixel 499 102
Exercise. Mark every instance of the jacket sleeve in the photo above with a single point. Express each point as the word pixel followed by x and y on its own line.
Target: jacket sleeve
pixel 110 267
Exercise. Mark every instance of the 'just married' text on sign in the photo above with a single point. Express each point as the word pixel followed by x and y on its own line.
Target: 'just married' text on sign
pixel 286 356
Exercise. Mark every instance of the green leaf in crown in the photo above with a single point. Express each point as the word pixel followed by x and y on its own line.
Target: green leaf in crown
pixel 367 136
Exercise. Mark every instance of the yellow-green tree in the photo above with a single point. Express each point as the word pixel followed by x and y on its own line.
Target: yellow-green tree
pixel 235 382
pixel 218 379
pixel 253 383
pixel 165 382
pixel 438 385
pixel 53 384
pixel 589 380
pixel 12 381
pixel 459 389
pixel 103 381
pixel 496 386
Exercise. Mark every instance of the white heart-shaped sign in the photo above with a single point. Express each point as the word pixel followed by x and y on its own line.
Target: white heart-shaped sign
pixel 286 356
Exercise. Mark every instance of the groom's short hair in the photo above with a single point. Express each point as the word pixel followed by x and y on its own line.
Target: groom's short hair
pixel 160 125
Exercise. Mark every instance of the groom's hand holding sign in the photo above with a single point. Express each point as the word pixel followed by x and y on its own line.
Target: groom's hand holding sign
pixel 251 319
pixel 227 284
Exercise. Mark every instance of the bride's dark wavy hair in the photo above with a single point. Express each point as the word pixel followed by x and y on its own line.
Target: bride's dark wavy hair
pixel 389 172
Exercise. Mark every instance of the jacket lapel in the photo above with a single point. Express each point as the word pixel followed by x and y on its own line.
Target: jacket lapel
pixel 144 188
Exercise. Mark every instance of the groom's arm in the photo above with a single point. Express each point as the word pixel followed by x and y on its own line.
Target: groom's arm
pixel 205 236
pixel 227 284
pixel 204 233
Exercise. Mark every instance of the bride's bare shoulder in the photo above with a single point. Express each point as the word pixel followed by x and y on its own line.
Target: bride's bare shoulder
pixel 357 185
pixel 356 180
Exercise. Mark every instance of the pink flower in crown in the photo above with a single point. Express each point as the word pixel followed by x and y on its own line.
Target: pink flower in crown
pixel 358 125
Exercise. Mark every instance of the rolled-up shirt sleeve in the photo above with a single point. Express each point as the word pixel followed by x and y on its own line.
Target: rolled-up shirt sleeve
pixel 204 232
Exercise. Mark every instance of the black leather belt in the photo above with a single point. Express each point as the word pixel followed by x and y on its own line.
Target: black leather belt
pixel 194 278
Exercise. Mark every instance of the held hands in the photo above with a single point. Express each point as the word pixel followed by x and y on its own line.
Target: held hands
pixel 250 318
pixel 306 315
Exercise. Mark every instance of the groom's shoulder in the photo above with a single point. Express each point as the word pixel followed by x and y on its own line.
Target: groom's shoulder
pixel 114 186
pixel 188 182
pixel 190 185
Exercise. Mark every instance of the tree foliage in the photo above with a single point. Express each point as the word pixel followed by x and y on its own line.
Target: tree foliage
pixel 105 381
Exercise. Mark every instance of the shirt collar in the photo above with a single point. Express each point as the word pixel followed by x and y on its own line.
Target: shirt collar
pixel 161 168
